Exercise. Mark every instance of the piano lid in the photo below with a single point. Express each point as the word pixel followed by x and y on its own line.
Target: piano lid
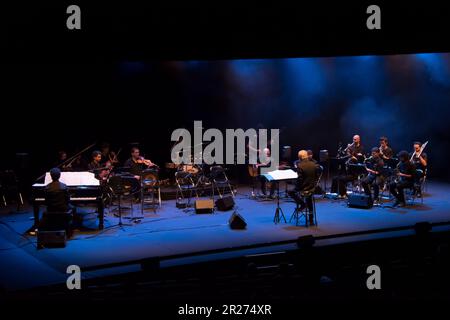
pixel 83 178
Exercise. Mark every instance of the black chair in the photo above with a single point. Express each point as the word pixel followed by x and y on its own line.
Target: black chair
pixel 298 214
pixel 185 184
pixel 220 181
pixel 9 188
pixel 55 221
pixel 416 191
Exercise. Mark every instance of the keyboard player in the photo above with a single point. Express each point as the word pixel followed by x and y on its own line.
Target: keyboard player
pixel 79 188
pixel 56 198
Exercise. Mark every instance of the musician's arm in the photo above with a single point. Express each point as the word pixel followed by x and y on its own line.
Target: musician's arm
pixel 423 160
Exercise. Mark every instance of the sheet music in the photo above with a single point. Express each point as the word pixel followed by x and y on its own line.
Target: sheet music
pixel 75 179
pixel 278 175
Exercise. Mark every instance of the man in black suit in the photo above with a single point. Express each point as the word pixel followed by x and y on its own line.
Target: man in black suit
pixel 307 172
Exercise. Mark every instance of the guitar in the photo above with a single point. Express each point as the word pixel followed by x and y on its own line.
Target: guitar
pixel 253 170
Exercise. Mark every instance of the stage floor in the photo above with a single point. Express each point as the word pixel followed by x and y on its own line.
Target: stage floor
pixel 172 231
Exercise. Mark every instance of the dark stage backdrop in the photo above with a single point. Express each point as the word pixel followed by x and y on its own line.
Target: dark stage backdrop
pixel 318 101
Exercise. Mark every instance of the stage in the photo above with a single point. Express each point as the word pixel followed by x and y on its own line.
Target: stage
pixel 176 233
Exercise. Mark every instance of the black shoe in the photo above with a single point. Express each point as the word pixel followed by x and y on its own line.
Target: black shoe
pixel 396 203
pixel 402 204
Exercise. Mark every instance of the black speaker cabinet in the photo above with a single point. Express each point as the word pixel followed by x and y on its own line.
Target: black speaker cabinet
pixel 225 204
pixel 51 239
pixel 360 201
pixel 204 206
pixel 236 221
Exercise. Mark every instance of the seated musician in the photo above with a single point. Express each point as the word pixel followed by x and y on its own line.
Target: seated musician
pixel 374 179
pixel 96 166
pixel 262 179
pixel 355 153
pixel 96 159
pixel 406 172
pixel 136 164
pixel 62 158
pixel 307 172
pixel 108 157
pixel 420 161
pixel 385 151
pixel 57 199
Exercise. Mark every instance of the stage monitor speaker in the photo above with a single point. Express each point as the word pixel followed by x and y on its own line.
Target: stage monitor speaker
pixel 360 201
pixel 225 204
pixel 236 221
pixel 323 156
pixel 204 206
pixel 51 239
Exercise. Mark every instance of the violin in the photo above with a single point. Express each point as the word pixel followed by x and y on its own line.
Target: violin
pixel 147 162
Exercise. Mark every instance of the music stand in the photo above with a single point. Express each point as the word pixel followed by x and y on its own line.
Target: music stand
pixel 277 176
pixel 357 170
pixel 117 186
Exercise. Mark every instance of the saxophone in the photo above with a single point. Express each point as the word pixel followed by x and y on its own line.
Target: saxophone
pixel 418 154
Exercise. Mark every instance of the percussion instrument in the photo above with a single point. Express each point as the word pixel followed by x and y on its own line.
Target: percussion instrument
pixel 190 168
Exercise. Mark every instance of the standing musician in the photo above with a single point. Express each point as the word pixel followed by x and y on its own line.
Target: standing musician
pixel 355 154
pixel 374 165
pixel 262 178
pixel 307 172
pixel 405 173
pixel 385 151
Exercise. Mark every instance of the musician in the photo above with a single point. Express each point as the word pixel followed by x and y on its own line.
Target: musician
pixel 96 159
pixel 355 150
pixel 263 180
pixel 311 156
pixel 374 165
pixel 385 151
pixel 405 174
pixel 137 163
pixel 57 201
pixel 62 157
pixel 355 154
pixel 421 161
pixel 307 172
pixel 108 157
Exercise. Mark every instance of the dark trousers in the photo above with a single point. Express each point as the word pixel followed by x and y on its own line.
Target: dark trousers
pixel 339 183
pixel 264 186
pixel 372 181
pixel 397 188
pixel 303 201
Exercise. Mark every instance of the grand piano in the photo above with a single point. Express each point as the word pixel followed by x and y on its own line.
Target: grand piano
pixel 83 187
